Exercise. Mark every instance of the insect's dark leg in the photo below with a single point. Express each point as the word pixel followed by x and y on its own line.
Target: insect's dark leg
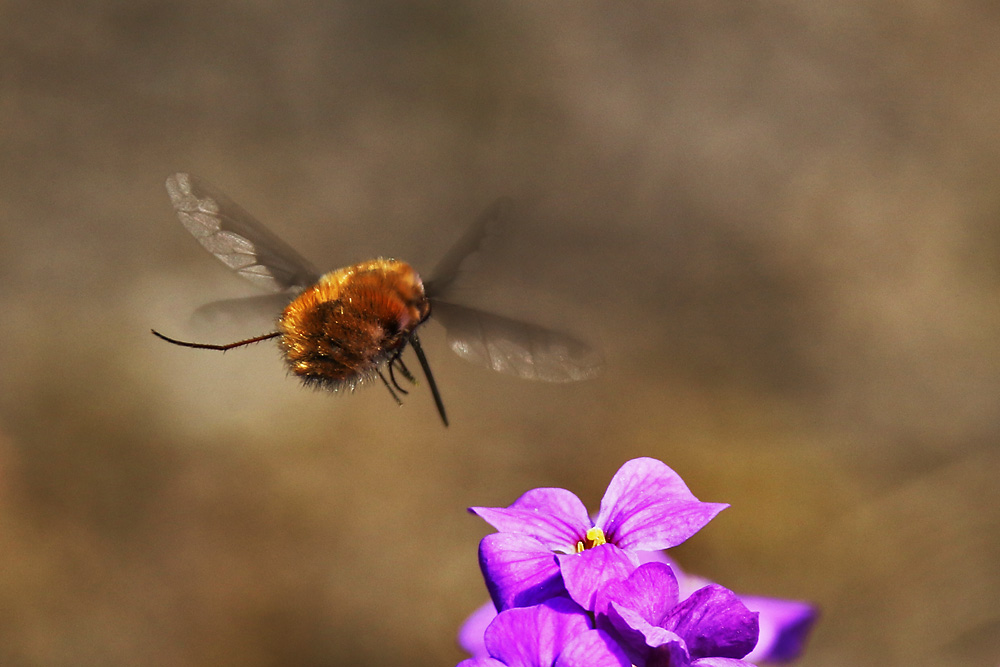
pixel 392 375
pixel 405 371
pixel 397 360
pixel 415 342
pixel 389 387
pixel 223 348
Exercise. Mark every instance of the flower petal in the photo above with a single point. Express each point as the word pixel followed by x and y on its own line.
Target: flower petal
pixel 647 507
pixel 720 662
pixel 714 623
pixel 650 591
pixel 643 642
pixel 593 648
pixel 519 570
pixel 535 636
pixel 471 634
pixel 481 662
pixel 555 517
pixel 784 627
pixel 585 573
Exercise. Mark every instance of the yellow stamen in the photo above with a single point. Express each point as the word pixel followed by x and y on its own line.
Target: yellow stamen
pixel 594 538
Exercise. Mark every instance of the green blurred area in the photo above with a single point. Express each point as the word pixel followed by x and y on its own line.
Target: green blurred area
pixel 778 221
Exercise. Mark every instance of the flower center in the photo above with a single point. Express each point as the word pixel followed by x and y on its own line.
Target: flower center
pixel 594 538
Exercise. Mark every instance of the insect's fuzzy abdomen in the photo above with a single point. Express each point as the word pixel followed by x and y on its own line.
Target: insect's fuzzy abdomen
pixel 339 331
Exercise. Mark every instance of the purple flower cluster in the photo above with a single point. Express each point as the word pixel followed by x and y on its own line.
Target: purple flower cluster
pixel 568 591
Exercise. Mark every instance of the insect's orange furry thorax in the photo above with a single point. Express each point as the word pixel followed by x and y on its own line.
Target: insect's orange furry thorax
pixel 341 329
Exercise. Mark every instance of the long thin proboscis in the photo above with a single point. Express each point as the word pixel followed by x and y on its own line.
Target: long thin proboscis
pixel 415 342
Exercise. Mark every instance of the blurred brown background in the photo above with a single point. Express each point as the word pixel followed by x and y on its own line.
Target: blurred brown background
pixel 778 220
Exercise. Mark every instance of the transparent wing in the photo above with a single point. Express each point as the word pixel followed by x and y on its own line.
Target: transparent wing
pixel 516 348
pixel 249 313
pixel 451 264
pixel 236 238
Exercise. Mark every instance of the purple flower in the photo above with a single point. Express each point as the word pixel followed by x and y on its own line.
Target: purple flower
pixel 647 507
pixel 785 625
pixel 575 591
pixel 556 633
pixel 656 629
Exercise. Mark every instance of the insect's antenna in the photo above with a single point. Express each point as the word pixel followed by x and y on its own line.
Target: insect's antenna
pixel 208 346
pixel 415 342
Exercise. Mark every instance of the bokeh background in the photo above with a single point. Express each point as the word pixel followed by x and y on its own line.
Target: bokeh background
pixel 778 220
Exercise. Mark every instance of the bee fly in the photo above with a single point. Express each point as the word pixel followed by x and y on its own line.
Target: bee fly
pixel 351 325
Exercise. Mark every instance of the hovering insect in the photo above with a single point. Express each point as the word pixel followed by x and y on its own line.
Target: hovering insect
pixel 342 328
